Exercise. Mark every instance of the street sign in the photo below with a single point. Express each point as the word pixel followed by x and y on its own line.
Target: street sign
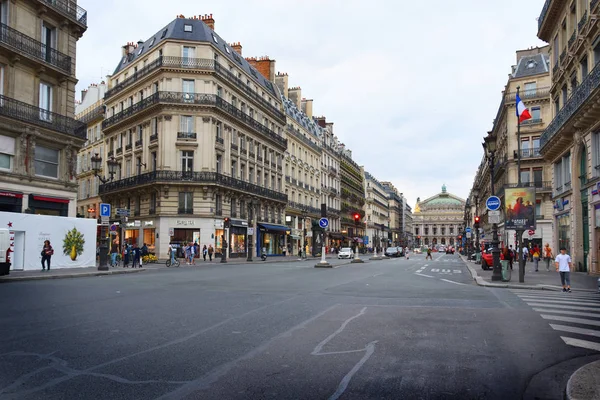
pixel 250 231
pixel 104 210
pixel 469 235
pixel 104 221
pixel 493 203
pixel 494 217
pixel 123 212
pixel 323 223
pixel 113 228
pixel 531 232
pixel 468 229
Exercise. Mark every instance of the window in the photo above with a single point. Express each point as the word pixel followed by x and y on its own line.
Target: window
pixel 7 152
pixel 595 153
pixel 155 87
pixel 154 126
pixel 139 133
pixel 153 163
pixel 187 160
pixel 48 40
pixel 45 101
pixel 565 95
pixel 251 175
pixel 536 113
pixel 138 164
pixel 234 169
pixel 538 176
pixel 187 28
pixel 4 12
pixel 536 146
pixel 219 204
pixel 46 162
pixel 140 50
pixel 584 68
pixel 164 33
pixel 152 42
pixel 188 52
pixel 530 89
pixel 215 39
pixel 152 203
pixel 188 90
pixel 219 163
pixel 186 200
pixel 127 168
pixel 187 124
pixel 219 91
pixel 219 130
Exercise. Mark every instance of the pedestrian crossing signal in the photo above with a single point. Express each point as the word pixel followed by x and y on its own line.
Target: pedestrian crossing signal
pixel 226 222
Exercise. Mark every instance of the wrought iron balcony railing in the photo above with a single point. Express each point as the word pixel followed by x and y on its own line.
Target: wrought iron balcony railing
pixel 68 8
pixel 119 151
pixel 304 140
pixel 528 153
pixel 91 115
pixel 138 143
pixel 528 94
pixel 27 45
pixel 196 63
pixel 200 177
pixel 582 21
pixel 572 38
pixel 577 99
pixel 27 113
pixel 541 185
pixel 593 5
pixel 234 147
pixel 186 135
pixel 531 121
pixel 154 138
pixel 128 146
pixel 185 210
pixel 194 99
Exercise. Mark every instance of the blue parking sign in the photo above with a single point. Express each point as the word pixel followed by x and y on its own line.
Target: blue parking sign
pixel 104 210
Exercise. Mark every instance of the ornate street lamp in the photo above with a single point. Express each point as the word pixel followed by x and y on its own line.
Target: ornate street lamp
pixel 489 147
pixel 96 166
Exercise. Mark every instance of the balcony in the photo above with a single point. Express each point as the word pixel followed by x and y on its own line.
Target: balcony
pixel 578 100
pixel 91 115
pixel 128 146
pixel 215 178
pixel 69 9
pixel 529 153
pixel 111 153
pixel 28 46
pixel 186 135
pixel 138 143
pixel 119 151
pixel 532 121
pixel 234 147
pixel 219 212
pixel 332 171
pixel 27 113
pixel 220 140
pixel 529 94
pixel 572 39
pixel 582 21
pixel 259 158
pixel 200 99
pixel 593 5
pixel 154 138
pixel 545 186
pixel 185 210
pixel 251 154
pixel 303 139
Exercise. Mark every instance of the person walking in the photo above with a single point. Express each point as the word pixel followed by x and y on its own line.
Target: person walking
pixel 563 266
pixel 210 252
pixel 47 252
pixel 192 254
pixel 547 255
pixel 114 250
pixel 525 255
pixel 536 257
pixel 126 255
pixel 428 254
pixel 136 256
pixel 204 252
pixel 172 251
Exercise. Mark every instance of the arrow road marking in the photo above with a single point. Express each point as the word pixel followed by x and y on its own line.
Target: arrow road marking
pixel 447 280
pixel 427 276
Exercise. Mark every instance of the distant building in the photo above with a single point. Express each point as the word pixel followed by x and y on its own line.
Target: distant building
pixel 438 220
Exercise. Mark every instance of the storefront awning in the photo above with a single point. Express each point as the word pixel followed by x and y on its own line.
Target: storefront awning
pixel 296 237
pixel 50 199
pixel 273 227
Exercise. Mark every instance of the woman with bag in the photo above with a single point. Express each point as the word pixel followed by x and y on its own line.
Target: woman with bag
pixel 547 256
pixel 536 256
pixel 47 252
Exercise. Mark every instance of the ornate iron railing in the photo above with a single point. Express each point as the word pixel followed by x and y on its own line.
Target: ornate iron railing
pixel 15 40
pixel 582 21
pixel 128 146
pixel 527 153
pixel 21 111
pixel 186 135
pixel 138 143
pixel 532 121
pixel 92 114
pixel 304 208
pixel 593 4
pixel 154 138
pixel 196 99
pixel 119 151
pixel 303 139
pixel 234 147
pixel 68 8
pixel 577 99
pixel 542 185
pixel 200 177
pixel 185 210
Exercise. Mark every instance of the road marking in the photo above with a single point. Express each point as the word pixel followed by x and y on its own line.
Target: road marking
pixel 346 380
pixel 572 329
pixel 568 319
pixel 561 306
pixel 565 301
pixel 428 276
pixel 581 343
pixel 569 312
pixel 447 280
pixel 435 270
pixel 337 332
pixel 457 271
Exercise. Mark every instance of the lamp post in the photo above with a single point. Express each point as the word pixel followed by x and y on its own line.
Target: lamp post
pixel 250 225
pixel 475 192
pixel 489 146
pixel 96 167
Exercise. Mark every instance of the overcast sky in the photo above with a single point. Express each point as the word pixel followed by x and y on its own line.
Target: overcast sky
pixel 411 86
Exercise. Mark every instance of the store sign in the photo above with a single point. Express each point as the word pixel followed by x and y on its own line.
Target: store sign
pixel 11 194
pixel 148 223
pixel 130 225
pixel 184 222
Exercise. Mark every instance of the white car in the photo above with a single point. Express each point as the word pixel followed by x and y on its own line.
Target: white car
pixel 345 252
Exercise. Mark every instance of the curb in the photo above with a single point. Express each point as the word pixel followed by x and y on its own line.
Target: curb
pixel 584 384
pixel 64 276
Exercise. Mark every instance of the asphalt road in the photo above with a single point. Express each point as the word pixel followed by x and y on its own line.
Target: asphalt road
pixel 391 329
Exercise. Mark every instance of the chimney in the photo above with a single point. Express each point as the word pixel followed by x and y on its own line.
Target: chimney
pixel 321 121
pixel 128 49
pixel 83 93
pixel 307 107
pixel 208 20
pixel 281 80
pixel 264 65
pixel 237 47
pixel 295 95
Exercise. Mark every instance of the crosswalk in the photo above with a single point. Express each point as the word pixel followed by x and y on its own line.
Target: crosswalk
pixel 445 271
pixel 575 315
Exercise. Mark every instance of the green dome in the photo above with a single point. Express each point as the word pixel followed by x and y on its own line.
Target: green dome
pixel 444 201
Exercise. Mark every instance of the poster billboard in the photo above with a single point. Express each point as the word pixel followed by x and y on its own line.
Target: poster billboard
pixel 519 208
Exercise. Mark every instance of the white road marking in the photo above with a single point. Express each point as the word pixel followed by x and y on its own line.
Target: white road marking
pixel 435 270
pixel 560 306
pixel 446 280
pixel 427 276
pixel 572 329
pixel 569 312
pixel 346 380
pixel 337 332
pixel 457 271
pixel 565 301
pixel 569 319
pixel 581 343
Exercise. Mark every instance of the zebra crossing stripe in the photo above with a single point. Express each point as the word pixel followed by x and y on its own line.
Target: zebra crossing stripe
pixel 569 312
pixel 572 329
pixel 565 301
pixel 581 343
pixel 548 293
pixel 569 319
pixel 457 271
pixel 562 296
pixel 561 306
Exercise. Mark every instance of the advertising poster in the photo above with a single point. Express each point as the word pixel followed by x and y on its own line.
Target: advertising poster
pixel 520 208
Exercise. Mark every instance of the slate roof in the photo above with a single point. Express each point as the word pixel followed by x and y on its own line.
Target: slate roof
pixel 531 65
pixel 301 118
pixel 200 33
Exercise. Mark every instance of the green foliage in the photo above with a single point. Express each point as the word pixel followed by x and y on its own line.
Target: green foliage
pixel 73 238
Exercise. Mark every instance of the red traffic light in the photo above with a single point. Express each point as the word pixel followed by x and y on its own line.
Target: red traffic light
pixel 356 217
pixel 477 219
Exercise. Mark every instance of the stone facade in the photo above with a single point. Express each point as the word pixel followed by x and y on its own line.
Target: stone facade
pixel 438 220
pixel 377 214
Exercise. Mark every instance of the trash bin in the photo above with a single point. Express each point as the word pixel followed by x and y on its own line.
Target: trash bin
pixel 478 258
pixel 4 268
pixel 506 272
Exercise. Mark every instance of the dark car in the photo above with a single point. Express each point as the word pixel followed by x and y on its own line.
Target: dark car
pixel 449 250
pixel 394 252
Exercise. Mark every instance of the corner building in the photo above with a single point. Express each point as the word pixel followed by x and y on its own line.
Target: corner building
pixel 39 138
pixel 571 142
pixel 198 134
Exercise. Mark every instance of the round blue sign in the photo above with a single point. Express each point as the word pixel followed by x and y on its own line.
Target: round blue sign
pixel 493 203
pixel 323 223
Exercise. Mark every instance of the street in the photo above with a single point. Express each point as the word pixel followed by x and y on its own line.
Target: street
pixel 387 329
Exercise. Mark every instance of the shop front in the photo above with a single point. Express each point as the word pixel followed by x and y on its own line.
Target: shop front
pixel 271 237
pixel 46 205
pixel 11 201
pixel 182 237
pixel 149 235
pixel 238 238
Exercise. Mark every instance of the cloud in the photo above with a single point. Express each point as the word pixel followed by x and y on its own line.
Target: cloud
pixel 412 87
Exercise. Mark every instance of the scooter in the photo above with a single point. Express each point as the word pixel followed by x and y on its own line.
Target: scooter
pixel 263 256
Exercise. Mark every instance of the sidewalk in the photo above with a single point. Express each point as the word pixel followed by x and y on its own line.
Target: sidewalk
pixel 541 280
pixel 59 273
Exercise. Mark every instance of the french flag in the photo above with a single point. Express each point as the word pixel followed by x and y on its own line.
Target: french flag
pixel 522 111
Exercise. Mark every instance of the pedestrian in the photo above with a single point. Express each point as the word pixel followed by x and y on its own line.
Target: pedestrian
pixel 126 255
pixel 428 254
pixel 563 266
pixel 192 253
pixel 204 252
pixel 536 257
pixel 210 252
pixel 114 250
pixel 136 256
pixel 525 255
pixel 172 251
pixel 506 256
pixel 47 252
pixel 547 255
pixel 406 252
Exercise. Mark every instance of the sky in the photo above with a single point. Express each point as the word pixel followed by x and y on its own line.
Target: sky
pixel 412 87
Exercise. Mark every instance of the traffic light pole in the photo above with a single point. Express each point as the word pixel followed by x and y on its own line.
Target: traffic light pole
pixel 323 263
pixel 357 259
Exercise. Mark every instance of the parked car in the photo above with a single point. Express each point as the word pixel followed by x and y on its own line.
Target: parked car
pixel 394 252
pixel 449 250
pixel 417 250
pixel 345 252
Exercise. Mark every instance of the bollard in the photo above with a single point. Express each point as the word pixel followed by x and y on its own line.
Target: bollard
pixel 598 285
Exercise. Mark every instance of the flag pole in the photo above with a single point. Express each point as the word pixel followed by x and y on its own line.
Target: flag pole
pixel 519 232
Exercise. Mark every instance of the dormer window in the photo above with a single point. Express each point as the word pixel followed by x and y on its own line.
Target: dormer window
pixel 140 51
pixel 187 28
pixel 227 49
pixel 215 39
pixel 152 41
pixel 163 34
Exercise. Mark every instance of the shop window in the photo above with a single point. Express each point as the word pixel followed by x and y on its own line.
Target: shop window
pixel 46 162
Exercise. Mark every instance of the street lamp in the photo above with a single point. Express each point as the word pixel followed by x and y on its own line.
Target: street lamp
pixel 475 192
pixel 250 225
pixel 96 166
pixel 489 147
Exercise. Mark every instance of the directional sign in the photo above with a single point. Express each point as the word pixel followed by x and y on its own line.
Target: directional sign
pixel 323 223
pixel 493 203
pixel 468 230
pixel 104 210
pixel 124 212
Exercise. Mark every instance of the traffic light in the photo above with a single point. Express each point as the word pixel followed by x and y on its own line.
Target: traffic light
pixel 477 219
pixel 356 217
pixel 226 222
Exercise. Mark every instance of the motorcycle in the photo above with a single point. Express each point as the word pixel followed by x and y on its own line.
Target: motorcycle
pixel 263 256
